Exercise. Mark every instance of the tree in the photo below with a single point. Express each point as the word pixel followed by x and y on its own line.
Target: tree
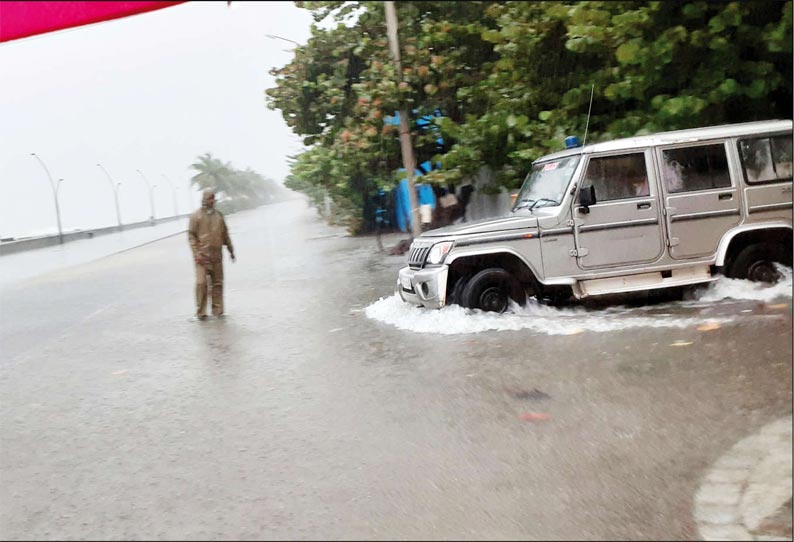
pixel 240 189
pixel 512 79
pixel 212 173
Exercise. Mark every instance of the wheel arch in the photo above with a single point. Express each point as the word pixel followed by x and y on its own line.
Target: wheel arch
pixel 509 260
pixel 736 240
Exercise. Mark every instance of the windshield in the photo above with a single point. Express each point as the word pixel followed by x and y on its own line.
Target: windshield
pixel 546 184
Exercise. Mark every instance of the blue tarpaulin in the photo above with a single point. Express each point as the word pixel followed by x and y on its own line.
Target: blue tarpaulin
pixel 402 202
pixel 425 194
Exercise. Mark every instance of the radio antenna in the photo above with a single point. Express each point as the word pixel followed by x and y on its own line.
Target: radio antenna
pixel 587 124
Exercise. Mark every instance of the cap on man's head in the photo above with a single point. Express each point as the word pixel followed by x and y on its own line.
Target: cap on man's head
pixel 207 194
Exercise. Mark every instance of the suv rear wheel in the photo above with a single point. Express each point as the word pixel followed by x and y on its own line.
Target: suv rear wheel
pixel 757 263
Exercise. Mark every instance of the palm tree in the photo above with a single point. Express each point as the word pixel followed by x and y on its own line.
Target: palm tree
pixel 213 173
pixel 246 188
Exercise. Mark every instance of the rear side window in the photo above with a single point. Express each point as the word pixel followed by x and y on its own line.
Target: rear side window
pixel 618 177
pixel 689 169
pixel 766 159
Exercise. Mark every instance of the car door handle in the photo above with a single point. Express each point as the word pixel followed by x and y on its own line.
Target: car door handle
pixel 645 205
pixel 726 195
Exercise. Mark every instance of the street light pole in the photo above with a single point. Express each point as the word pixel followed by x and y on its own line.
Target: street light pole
pixel 280 38
pixel 151 194
pixel 405 131
pixel 271 36
pixel 55 194
pixel 173 193
pixel 115 187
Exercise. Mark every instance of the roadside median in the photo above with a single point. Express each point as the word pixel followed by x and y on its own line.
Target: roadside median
pixel 32 243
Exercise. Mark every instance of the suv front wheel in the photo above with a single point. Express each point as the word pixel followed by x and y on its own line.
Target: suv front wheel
pixel 491 289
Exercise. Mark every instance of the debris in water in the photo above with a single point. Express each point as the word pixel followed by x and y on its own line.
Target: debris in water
pixel 121 372
pixel 400 248
pixel 682 343
pixel 526 394
pixel 779 306
pixel 709 327
pixel 534 416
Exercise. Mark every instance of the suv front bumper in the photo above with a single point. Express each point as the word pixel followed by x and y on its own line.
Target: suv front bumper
pixel 425 287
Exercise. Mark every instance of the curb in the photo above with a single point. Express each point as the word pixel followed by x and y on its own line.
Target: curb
pixel 748 484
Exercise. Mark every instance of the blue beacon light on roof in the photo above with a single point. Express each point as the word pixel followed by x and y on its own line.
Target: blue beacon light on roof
pixel 571 142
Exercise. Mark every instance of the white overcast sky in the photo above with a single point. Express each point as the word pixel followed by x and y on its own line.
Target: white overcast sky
pixel 148 92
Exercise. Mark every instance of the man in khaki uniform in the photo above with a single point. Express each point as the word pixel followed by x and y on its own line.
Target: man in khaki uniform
pixel 207 234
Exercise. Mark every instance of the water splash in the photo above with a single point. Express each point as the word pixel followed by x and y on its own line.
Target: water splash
pixel 453 319
pixel 727 289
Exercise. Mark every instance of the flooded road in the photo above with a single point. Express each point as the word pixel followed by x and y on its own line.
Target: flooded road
pixel 322 407
pixel 23 265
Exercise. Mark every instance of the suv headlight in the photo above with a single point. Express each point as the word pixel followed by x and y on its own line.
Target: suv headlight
pixel 439 252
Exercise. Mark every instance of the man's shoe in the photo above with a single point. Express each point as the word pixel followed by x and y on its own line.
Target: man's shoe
pixel 200 317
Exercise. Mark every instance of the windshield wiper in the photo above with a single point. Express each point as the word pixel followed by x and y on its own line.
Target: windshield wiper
pixel 524 203
pixel 554 201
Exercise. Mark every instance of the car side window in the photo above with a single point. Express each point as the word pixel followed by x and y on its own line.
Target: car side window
pixel 618 177
pixel 766 159
pixel 689 169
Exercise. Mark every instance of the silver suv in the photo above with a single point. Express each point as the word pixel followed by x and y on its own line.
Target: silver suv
pixel 657 211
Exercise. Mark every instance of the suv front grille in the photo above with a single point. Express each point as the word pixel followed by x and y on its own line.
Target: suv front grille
pixel 417 256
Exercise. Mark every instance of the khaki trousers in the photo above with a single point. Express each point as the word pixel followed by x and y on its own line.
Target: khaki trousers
pixel 209 279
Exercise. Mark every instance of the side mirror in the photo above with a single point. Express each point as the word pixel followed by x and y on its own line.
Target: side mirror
pixel 587 197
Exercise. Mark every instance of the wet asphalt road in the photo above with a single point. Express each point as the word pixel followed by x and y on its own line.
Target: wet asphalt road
pixel 297 417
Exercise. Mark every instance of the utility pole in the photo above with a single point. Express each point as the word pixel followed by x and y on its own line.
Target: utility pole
pixel 405 131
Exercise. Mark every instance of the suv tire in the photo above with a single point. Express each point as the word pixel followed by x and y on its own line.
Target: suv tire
pixel 490 289
pixel 456 296
pixel 756 263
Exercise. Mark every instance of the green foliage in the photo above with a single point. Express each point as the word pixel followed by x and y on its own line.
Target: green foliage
pixel 238 189
pixel 512 79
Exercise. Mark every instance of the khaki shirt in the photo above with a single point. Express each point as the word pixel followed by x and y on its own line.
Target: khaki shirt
pixel 207 233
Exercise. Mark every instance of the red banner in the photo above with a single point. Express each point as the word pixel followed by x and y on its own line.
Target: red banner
pixel 24 19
